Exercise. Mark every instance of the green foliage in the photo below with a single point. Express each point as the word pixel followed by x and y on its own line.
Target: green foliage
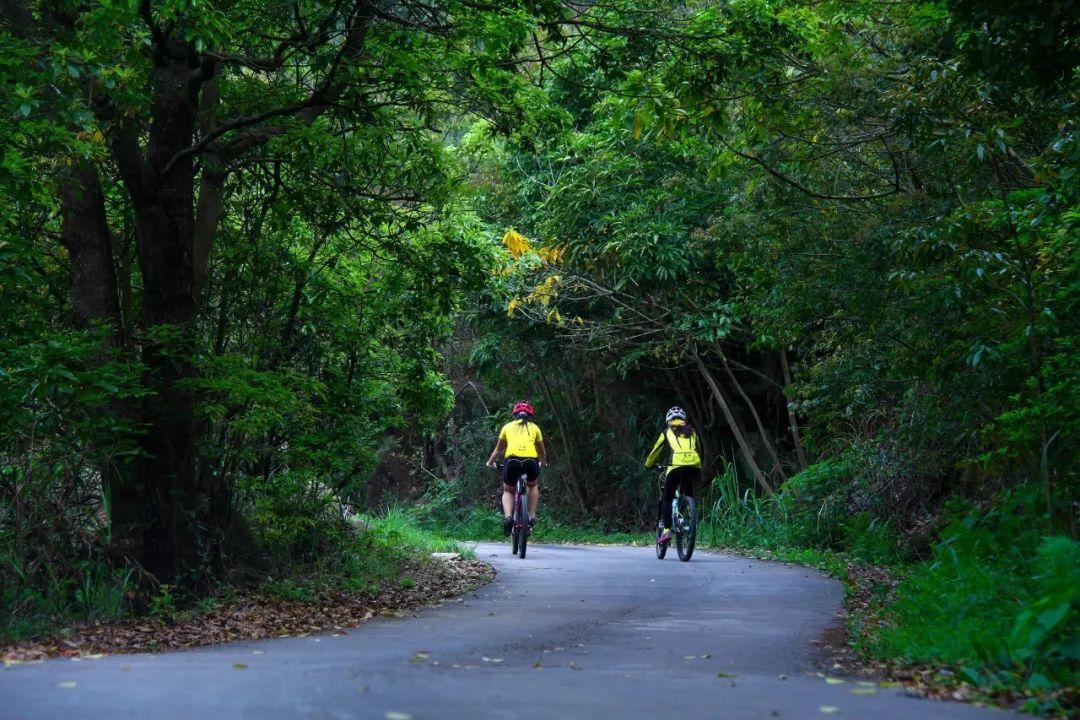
pixel 57 438
pixel 998 597
pixel 810 514
pixel 297 519
pixel 288 589
pixel 164 603
pixel 335 269
pixel 817 503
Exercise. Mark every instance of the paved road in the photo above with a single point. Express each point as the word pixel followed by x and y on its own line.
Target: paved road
pixel 571 632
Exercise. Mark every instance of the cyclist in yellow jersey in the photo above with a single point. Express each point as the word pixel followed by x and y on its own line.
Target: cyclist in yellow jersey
pixel 522 444
pixel 684 465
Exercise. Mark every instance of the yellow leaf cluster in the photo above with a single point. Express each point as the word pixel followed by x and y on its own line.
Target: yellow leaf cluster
pixel 545 290
pixel 514 305
pixel 94 137
pixel 550 255
pixel 515 242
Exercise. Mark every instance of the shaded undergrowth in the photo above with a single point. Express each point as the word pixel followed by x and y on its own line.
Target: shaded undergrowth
pixel 326 552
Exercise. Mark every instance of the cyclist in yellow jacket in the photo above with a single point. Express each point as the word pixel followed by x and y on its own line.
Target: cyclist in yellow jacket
pixel 684 465
pixel 523 445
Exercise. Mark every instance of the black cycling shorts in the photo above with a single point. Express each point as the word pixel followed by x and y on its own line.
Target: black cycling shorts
pixel 513 467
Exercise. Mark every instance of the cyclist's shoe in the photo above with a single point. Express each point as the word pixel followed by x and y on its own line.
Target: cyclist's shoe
pixel 532 522
pixel 664 536
pixel 508 525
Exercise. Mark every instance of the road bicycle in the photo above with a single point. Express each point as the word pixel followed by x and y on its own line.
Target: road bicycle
pixel 683 521
pixel 519 533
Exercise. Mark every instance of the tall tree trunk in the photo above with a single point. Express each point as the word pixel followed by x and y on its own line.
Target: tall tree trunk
pixel 123 250
pixel 85 234
pixel 95 298
pixel 211 203
pixel 753 412
pixel 793 424
pixel 748 454
pixel 169 523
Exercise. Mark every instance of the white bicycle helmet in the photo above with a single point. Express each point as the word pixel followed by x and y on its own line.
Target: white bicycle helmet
pixel 675 413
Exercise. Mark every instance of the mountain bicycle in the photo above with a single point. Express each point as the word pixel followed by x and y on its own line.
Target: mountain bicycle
pixel 519 534
pixel 683 521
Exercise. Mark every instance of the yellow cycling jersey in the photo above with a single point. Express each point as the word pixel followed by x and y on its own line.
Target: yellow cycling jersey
pixel 683 450
pixel 521 438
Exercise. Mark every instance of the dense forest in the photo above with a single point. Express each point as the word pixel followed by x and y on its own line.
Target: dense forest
pixel 264 264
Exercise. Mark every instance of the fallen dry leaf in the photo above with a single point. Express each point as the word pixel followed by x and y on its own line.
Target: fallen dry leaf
pixel 253 616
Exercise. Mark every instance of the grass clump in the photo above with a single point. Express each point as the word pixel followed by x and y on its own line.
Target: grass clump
pixel 401 526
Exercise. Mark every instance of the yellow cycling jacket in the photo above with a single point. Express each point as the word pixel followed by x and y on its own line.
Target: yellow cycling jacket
pixel 521 438
pixel 684 451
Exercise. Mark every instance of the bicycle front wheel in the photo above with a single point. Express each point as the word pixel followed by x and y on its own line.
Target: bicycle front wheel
pixel 661 548
pixel 686 530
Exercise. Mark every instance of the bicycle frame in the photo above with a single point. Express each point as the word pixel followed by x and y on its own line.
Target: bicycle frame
pixel 521 490
pixel 521 529
pixel 676 516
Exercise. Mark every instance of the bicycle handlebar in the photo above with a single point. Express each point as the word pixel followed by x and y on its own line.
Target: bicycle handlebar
pixel 499 465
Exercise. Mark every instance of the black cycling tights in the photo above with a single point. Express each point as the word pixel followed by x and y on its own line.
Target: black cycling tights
pixel 513 467
pixel 681 478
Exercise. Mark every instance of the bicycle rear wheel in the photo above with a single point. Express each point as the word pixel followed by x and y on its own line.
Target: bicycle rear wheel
pixel 686 530
pixel 521 525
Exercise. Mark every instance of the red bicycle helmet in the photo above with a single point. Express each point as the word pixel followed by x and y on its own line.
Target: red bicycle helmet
pixel 522 408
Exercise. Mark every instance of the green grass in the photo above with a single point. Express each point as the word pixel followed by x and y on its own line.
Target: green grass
pixel 480 525
pixel 375 553
pixel 399 527
pixel 88 589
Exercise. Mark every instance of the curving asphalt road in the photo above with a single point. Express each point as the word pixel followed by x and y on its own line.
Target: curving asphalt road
pixel 570 632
